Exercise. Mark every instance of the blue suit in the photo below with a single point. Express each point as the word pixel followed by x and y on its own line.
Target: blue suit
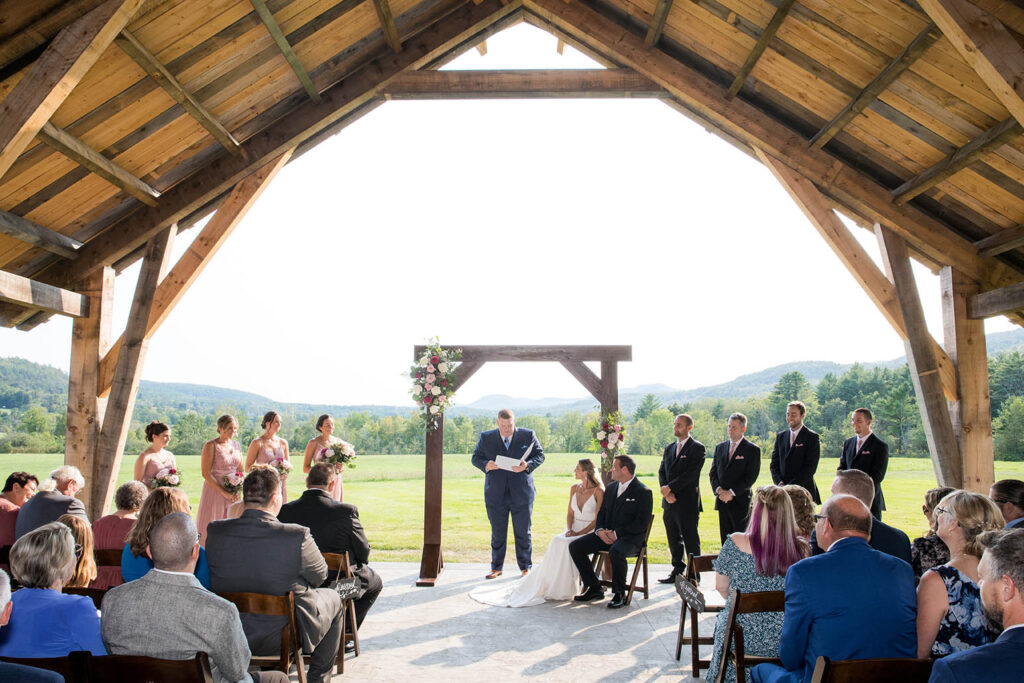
pixel 853 602
pixel 509 492
pixel 994 663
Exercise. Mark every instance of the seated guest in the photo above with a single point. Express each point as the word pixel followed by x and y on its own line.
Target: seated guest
pixel 111 531
pixel 46 506
pixel 883 537
pixel 754 561
pixel 46 622
pixel 19 673
pixel 852 602
pixel 803 510
pixel 147 617
pixel 158 504
pixel 336 529
pixel 290 562
pixel 85 567
pixel 1008 495
pixel 18 488
pixel 929 550
pixel 1002 593
pixel 949 613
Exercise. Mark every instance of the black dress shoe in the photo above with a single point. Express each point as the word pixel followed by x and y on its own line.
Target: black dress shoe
pixel 592 593
pixel 671 578
pixel 618 600
pixel 350 646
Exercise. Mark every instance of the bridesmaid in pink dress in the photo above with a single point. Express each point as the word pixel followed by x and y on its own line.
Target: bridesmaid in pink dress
pixel 324 425
pixel 221 456
pixel 156 457
pixel 268 447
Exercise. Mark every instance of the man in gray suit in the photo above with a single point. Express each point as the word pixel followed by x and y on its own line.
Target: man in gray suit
pixel 258 554
pixel 48 506
pixel 167 613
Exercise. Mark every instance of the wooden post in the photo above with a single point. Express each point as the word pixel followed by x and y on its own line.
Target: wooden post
pixel 90 337
pixel 432 562
pixel 972 415
pixel 609 386
pixel 938 428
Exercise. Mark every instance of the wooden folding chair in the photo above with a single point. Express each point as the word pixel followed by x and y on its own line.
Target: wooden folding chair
pixel 107 557
pixel 279 606
pixel 747 603
pixel 641 561
pixel 118 668
pixel 72 667
pixel 95 594
pixel 694 567
pixel 874 670
pixel 339 564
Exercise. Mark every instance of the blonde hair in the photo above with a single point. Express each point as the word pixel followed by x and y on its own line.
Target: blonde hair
pixel 976 514
pixel 587 465
pixel 158 504
pixel 43 556
pixel 803 507
pixel 85 568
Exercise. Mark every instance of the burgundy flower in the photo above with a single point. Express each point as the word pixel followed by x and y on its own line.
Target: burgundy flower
pixel 604 443
pixel 606 427
pixel 435 360
pixel 428 398
pixel 444 382
pixel 419 375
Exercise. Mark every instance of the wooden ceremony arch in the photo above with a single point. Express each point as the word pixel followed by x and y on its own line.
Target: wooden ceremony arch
pixel 604 388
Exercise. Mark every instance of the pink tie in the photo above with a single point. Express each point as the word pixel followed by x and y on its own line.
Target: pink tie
pixel 860 442
pixel 732 449
pixel 792 437
pixel 679 448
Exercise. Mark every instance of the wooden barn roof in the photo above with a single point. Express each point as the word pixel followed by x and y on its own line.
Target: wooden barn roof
pixel 123 117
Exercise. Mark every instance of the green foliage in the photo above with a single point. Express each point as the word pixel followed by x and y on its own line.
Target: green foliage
pixel 648 404
pixel 1009 430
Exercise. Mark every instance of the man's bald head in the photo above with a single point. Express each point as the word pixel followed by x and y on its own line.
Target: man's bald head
pixel 845 516
pixel 172 543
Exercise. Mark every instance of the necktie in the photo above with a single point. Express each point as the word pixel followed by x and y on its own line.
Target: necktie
pixel 732 448
pixel 679 448
pixel 506 444
pixel 792 438
pixel 860 442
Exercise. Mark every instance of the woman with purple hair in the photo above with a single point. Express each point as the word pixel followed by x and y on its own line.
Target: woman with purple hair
pixel 753 561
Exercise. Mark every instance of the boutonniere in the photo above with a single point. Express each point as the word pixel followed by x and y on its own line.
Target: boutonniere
pixel 866 452
pixel 797 445
pixel 631 500
pixel 738 457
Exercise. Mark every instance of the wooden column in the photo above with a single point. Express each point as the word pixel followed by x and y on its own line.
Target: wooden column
pixel 924 371
pixel 609 386
pixel 971 416
pixel 90 337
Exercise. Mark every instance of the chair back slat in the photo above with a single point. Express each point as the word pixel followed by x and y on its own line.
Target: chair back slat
pixel 735 650
pixel 260 603
pixel 118 668
pixel 72 667
pixel 107 557
pixel 874 670
pixel 94 594
pixel 339 564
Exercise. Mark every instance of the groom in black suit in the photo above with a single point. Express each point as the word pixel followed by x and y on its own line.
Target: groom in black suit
pixel 866 452
pixel 679 478
pixel 796 452
pixel 621 527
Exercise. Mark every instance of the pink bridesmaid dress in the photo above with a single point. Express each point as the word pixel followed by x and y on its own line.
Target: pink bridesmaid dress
pixel 337 488
pixel 227 458
pixel 163 459
pixel 266 454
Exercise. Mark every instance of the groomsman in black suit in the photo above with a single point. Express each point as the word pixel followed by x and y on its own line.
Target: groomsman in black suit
pixel 734 469
pixel 620 529
pixel 679 478
pixel 796 452
pixel 867 453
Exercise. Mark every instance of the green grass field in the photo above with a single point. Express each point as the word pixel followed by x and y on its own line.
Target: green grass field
pixel 389 492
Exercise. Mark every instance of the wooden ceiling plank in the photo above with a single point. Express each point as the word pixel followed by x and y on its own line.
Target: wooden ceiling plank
pixel 75 149
pixel 27 231
pixel 286 49
pixel 658 20
pixel 522 84
pixel 1001 242
pixel 760 46
pixel 992 139
pixel 878 84
pixel 986 45
pixel 22 291
pixel 53 76
pixel 131 46
pixel 387 24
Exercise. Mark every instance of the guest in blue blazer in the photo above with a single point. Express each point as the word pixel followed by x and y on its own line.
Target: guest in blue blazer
pixel 509 492
pixel 853 602
pixel 1008 495
pixel 1002 581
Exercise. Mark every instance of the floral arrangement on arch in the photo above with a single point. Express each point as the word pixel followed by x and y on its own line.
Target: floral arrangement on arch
pixel 168 476
pixel 433 381
pixel 609 434
pixel 233 482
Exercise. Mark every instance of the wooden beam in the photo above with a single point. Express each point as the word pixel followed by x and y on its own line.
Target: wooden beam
pixel 464 371
pixel 921 42
pixel 53 76
pixel 481 48
pixel 760 46
pixel 991 140
pixel 535 353
pixel 972 414
pixel 1001 242
pixel 590 381
pixel 82 154
pixel 286 49
pixel 658 19
pixel 387 24
pixel 996 302
pixel 132 47
pixel 550 83
pixel 37 295
pixel 27 231
pixel 986 45
pixel 191 264
pixel 872 280
pixel 938 427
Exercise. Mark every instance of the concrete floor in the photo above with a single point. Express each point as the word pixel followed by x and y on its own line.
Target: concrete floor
pixel 440 633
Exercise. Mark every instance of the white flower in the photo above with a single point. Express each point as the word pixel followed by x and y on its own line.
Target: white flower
pixel 173 480
pixel 436 391
pixel 613 437
pixel 440 399
pixel 442 368
pixel 424 360
pixel 434 410
pixel 431 378
pixel 163 473
pixel 601 435
pixel 329 453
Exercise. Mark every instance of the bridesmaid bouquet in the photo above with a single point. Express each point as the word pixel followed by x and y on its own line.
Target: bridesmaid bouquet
pixel 168 476
pixel 282 466
pixel 338 454
pixel 233 482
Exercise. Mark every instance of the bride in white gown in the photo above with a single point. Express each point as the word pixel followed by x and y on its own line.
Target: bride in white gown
pixel 556 577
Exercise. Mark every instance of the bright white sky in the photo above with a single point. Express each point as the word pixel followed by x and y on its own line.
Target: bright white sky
pixel 510 222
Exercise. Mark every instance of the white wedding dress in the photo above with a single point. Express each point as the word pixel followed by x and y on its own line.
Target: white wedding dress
pixel 555 578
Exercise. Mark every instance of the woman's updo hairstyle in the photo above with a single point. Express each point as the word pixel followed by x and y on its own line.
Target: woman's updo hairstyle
pixel 154 429
pixel 268 418
pixel 320 421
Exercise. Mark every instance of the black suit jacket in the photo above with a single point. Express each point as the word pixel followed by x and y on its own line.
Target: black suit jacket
pixel 884 538
pixel 629 514
pixel 736 475
pixel 799 462
pixel 872 458
pixel 682 473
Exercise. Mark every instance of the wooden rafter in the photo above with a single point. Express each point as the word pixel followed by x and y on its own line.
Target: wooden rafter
pixel 760 46
pixel 159 73
pixel 22 291
pixel 27 231
pixel 925 39
pixel 430 84
pixel 54 75
pixel 387 24
pixel 590 381
pixel 654 31
pixel 1001 242
pixel 996 302
pixel 991 140
pixel 286 49
pixel 86 156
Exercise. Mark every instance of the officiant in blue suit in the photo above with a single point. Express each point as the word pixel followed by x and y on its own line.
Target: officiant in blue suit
pixel 509 491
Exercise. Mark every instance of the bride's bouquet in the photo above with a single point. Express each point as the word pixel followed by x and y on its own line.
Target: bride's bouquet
pixel 168 476
pixel 340 453
pixel 282 465
pixel 232 483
